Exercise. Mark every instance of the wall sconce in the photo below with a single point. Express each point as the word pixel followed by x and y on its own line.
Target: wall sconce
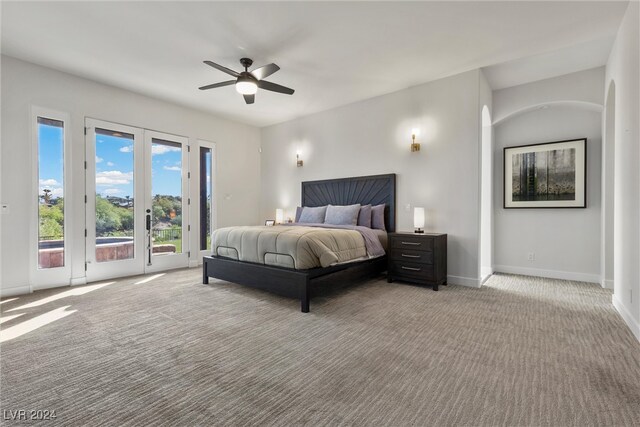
pixel 415 146
pixel 418 220
pixel 279 216
pixel 299 162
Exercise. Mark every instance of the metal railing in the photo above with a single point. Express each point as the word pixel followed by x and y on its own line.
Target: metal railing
pixel 167 234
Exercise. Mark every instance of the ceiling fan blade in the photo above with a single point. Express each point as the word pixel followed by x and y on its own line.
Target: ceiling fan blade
pixel 263 84
pixel 265 71
pixel 214 85
pixel 221 68
pixel 249 99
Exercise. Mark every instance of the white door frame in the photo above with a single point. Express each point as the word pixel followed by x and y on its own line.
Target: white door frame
pixel 214 193
pixel 154 263
pixel 127 267
pixel 42 278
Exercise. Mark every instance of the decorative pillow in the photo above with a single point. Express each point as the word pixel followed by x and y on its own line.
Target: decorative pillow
pixel 298 213
pixel 364 217
pixel 312 215
pixel 342 215
pixel 377 217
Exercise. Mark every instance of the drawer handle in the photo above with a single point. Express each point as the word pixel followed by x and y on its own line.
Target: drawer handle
pixel 410 256
pixel 410 268
pixel 411 243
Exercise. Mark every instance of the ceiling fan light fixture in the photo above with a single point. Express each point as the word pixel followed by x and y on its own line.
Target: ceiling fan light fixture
pixel 246 87
pixel 247 82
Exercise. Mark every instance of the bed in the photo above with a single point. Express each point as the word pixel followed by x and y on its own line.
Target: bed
pixel 280 275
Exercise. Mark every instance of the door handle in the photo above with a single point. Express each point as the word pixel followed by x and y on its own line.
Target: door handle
pixel 410 268
pixel 411 243
pixel 410 256
pixel 149 241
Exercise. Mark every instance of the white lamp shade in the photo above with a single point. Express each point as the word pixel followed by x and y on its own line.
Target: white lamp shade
pixel 418 217
pixel 415 132
pixel 246 87
pixel 279 216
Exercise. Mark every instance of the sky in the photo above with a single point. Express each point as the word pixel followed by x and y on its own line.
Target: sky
pixel 50 161
pixel 114 165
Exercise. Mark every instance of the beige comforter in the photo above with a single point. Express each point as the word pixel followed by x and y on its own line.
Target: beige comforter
pixel 293 247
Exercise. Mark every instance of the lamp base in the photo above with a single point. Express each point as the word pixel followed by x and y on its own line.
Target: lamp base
pixel 419 231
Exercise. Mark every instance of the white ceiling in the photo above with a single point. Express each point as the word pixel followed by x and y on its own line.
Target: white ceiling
pixel 331 53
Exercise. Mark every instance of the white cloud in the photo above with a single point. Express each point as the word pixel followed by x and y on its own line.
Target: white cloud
pixel 161 149
pixel 50 182
pixel 114 178
pixel 127 149
pixel 110 164
pixel 111 191
pixel 99 159
pixel 172 168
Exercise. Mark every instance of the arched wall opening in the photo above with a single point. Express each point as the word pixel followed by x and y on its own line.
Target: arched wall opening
pixel 486 196
pixel 608 189
pixel 550 242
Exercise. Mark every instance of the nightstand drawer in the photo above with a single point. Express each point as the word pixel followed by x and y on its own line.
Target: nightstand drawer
pixel 409 255
pixel 416 243
pixel 409 270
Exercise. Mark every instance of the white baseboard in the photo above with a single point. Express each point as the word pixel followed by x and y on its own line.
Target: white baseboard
pixel 194 263
pixel 463 281
pixel 607 284
pixel 78 281
pixel 16 290
pixel 551 274
pixel 627 317
pixel 485 273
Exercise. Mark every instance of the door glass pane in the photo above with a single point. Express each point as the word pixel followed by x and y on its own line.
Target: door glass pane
pixel 166 205
pixel 206 193
pixel 50 193
pixel 115 217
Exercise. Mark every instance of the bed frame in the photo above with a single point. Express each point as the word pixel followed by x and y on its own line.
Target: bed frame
pixel 304 284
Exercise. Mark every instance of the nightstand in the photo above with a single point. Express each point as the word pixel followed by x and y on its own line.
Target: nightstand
pixel 418 258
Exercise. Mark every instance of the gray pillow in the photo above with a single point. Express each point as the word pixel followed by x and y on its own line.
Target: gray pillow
pixel 298 213
pixel 364 217
pixel 377 217
pixel 342 215
pixel 312 215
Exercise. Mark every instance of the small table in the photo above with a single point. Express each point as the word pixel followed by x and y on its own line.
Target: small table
pixel 418 258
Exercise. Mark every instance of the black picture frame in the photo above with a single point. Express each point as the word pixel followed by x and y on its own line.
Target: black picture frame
pixel 580 180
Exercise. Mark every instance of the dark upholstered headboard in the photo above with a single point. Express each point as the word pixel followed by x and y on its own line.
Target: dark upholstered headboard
pixel 366 190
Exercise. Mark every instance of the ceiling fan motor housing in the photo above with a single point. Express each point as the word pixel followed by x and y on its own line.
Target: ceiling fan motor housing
pixel 246 62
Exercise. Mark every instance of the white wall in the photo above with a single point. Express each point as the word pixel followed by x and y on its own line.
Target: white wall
pixel 373 137
pixel 25 84
pixel 607 254
pixel 623 68
pixel 486 180
pixel 566 242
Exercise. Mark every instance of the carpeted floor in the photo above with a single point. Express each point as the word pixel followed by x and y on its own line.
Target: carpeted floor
pixel 171 351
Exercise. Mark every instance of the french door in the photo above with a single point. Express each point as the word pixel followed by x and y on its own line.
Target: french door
pixel 137 200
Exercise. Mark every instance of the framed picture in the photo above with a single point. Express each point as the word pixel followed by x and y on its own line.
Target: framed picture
pixel 270 222
pixel 547 175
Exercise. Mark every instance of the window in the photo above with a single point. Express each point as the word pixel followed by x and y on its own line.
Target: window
pixel 206 197
pixel 166 203
pixel 51 212
pixel 115 200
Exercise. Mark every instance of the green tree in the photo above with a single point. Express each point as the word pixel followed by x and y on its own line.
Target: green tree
pixel 50 229
pixel 108 218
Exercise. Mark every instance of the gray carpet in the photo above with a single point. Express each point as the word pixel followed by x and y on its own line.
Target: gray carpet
pixel 519 351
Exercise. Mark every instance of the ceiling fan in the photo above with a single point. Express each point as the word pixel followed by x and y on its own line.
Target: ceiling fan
pixel 247 82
